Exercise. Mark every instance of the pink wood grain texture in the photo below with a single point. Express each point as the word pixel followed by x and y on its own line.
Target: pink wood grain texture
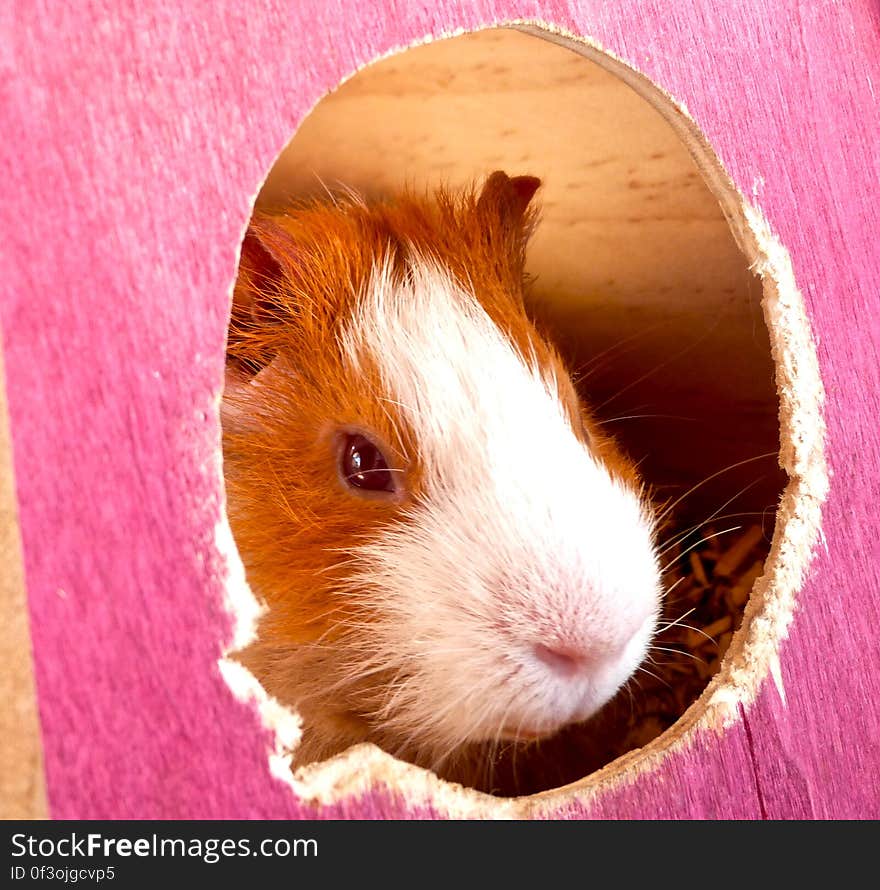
pixel 133 142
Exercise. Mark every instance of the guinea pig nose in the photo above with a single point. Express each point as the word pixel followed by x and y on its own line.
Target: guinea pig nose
pixel 563 660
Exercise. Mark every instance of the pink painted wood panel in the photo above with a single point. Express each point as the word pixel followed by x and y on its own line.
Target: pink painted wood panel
pixel 135 137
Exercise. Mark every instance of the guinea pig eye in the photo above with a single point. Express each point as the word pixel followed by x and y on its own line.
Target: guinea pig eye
pixel 363 466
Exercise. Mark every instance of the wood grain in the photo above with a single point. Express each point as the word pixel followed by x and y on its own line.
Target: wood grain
pixel 133 148
pixel 633 260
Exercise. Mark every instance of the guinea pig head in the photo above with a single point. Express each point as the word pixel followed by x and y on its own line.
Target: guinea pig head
pixel 450 550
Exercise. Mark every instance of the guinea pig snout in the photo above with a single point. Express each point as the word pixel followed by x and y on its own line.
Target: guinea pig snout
pixel 568 673
pixel 576 634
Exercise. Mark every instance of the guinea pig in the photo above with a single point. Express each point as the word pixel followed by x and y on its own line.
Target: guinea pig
pixel 451 552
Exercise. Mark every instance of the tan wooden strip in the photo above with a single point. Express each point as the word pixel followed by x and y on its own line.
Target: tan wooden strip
pixel 22 784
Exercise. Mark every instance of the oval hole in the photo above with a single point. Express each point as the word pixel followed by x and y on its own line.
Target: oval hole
pixel 638 276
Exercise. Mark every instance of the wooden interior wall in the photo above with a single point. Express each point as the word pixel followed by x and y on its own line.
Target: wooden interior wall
pixel 633 259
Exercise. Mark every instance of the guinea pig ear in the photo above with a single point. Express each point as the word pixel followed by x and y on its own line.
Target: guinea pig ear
pixel 269 255
pixel 268 262
pixel 508 198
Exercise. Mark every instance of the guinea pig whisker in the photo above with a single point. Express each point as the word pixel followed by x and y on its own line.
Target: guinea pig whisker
pixel 684 535
pixel 586 369
pixel 632 701
pixel 691 627
pixel 697 544
pixel 644 417
pixel 666 362
pixel 677 652
pixel 677 621
pixel 671 588
pixel 635 679
pixel 696 630
pixel 714 516
pixel 661 665
pixel 677 599
pixel 633 409
pixel 693 546
pixel 715 513
pixel 381 470
pixel 659 679
pixel 668 509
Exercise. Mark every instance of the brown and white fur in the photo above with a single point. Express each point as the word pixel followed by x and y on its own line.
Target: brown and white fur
pixel 506 585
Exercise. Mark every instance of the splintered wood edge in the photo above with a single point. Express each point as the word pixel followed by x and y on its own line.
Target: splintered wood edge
pixel 754 652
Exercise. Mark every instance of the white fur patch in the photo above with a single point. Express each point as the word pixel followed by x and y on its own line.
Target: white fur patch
pixel 522 537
